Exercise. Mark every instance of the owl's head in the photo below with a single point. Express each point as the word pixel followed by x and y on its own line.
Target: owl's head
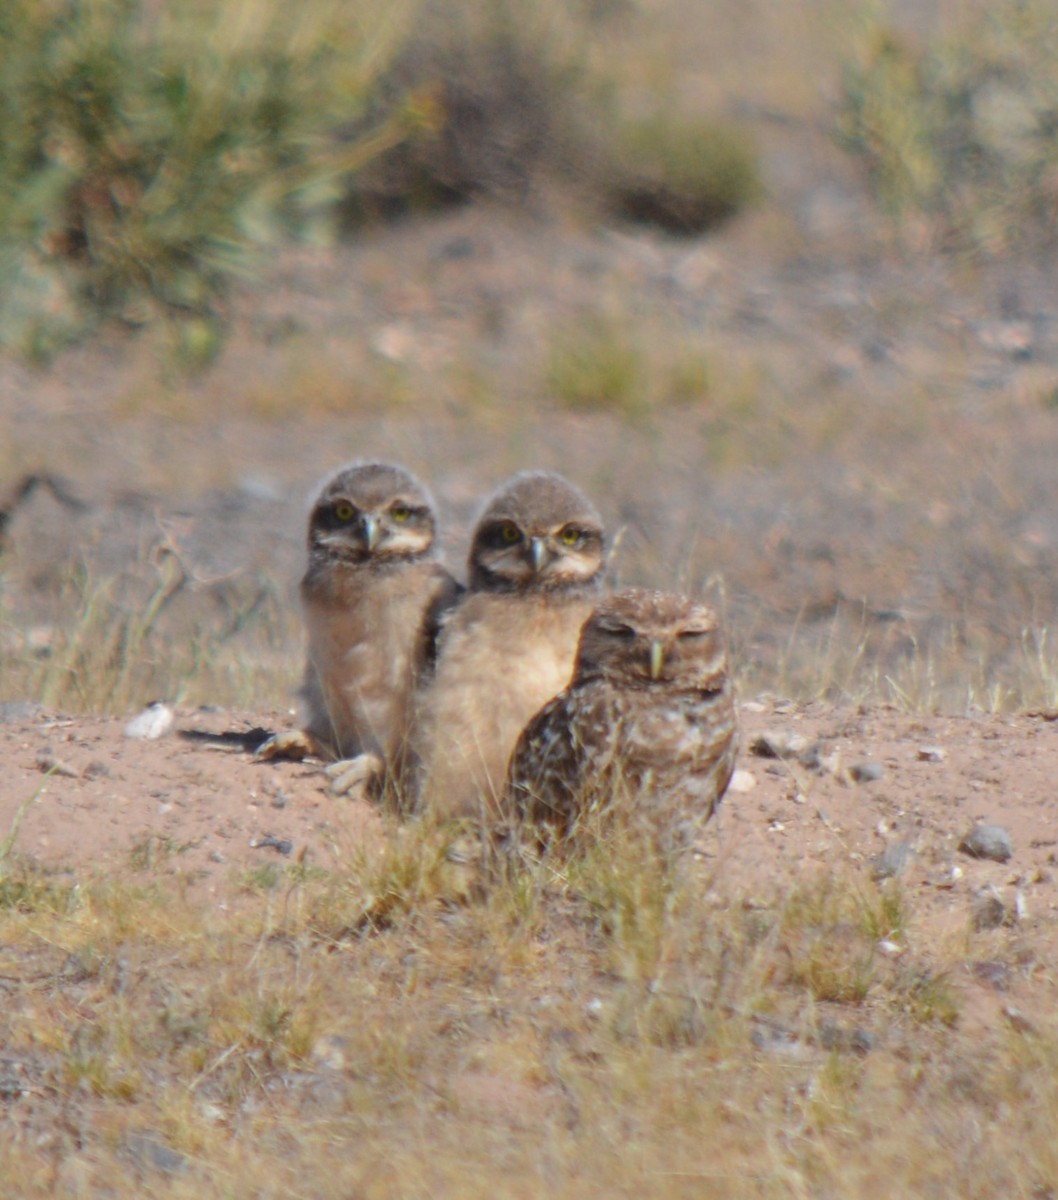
pixel 537 533
pixel 642 638
pixel 372 511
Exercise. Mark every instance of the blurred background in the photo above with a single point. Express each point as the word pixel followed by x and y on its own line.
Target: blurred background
pixel 773 282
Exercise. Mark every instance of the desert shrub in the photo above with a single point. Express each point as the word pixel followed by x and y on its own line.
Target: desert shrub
pixel 509 88
pixel 679 173
pixel 961 131
pixel 147 150
pixel 527 94
pixel 594 363
pixel 150 149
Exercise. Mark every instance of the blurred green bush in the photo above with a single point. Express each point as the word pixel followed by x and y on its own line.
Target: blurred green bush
pixel 147 150
pixel 961 133
pixel 150 149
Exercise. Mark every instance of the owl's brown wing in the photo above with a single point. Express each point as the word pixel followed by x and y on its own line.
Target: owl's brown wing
pixel 446 597
pixel 545 768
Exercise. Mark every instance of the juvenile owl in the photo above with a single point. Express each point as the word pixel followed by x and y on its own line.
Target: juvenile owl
pixel 646 732
pixel 535 565
pixel 372 597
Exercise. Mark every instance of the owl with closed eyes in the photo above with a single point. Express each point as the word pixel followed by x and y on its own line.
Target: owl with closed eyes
pixel 645 733
pixel 535 570
pixel 372 597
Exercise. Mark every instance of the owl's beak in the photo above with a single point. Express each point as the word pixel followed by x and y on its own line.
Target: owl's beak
pixel 657 658
pixel 371 532
pixel 537 552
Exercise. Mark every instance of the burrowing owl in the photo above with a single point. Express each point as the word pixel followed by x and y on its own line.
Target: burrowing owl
pixel 372 597
pixel 646 730
pixel 536 562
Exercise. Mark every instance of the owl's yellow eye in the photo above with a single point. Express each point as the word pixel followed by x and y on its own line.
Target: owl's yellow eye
pixel 510 534
pixel 400 512
pixel 343 510
pixel 569 536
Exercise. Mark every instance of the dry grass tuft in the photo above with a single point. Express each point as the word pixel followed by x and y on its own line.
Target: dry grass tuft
pixel 635 1028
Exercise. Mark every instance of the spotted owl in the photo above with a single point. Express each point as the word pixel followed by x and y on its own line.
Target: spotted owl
pixel 372 598
pixel 646 732
pixel 535 569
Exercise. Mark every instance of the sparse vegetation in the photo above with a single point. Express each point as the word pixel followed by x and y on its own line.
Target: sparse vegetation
pixel 596 364
pixel 680 175
pixel 400 1017
pixel 511 94
pixel 147 152
pixel 122 642
pixel 958 131
pixel 150 153
pixel 460 1037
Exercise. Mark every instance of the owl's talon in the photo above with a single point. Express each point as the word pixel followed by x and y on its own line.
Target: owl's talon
pixel 355 777
pixel 292 746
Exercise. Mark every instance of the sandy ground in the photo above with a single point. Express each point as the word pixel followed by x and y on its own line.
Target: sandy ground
pixel 210 817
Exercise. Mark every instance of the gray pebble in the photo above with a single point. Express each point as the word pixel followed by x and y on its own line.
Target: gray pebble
pixel 996 974
pixel 833 1036
pixel 48 763
pixel 987 841
pixel 153 722
pixel 778 743
pixel 18 710
pixel 150 1152
pixel 269 842
pixel 894 860
pixel 866 772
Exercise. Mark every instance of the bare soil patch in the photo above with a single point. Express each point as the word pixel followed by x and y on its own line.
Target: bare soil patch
pixel 217 824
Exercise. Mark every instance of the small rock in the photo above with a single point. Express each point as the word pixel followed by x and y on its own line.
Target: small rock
pixel 894 860
pixel 987 841
pixel 778 743
pixel 12 1079
pixel 213 1113
pixel 866 772
pixel 48 763
pixel 18 710
pixel 154 722
pixel 330 1052
pixel 814 758
pixel 995 974
pixel 742 782
pixel 780 1042
pixel 931 754
pixel 833 1036
pixel 268 842
pixel 96 769
pixel 1018 1021
pixel 150 1152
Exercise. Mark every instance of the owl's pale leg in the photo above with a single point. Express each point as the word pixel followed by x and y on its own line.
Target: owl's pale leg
pixel 293 745
pixel 360 777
